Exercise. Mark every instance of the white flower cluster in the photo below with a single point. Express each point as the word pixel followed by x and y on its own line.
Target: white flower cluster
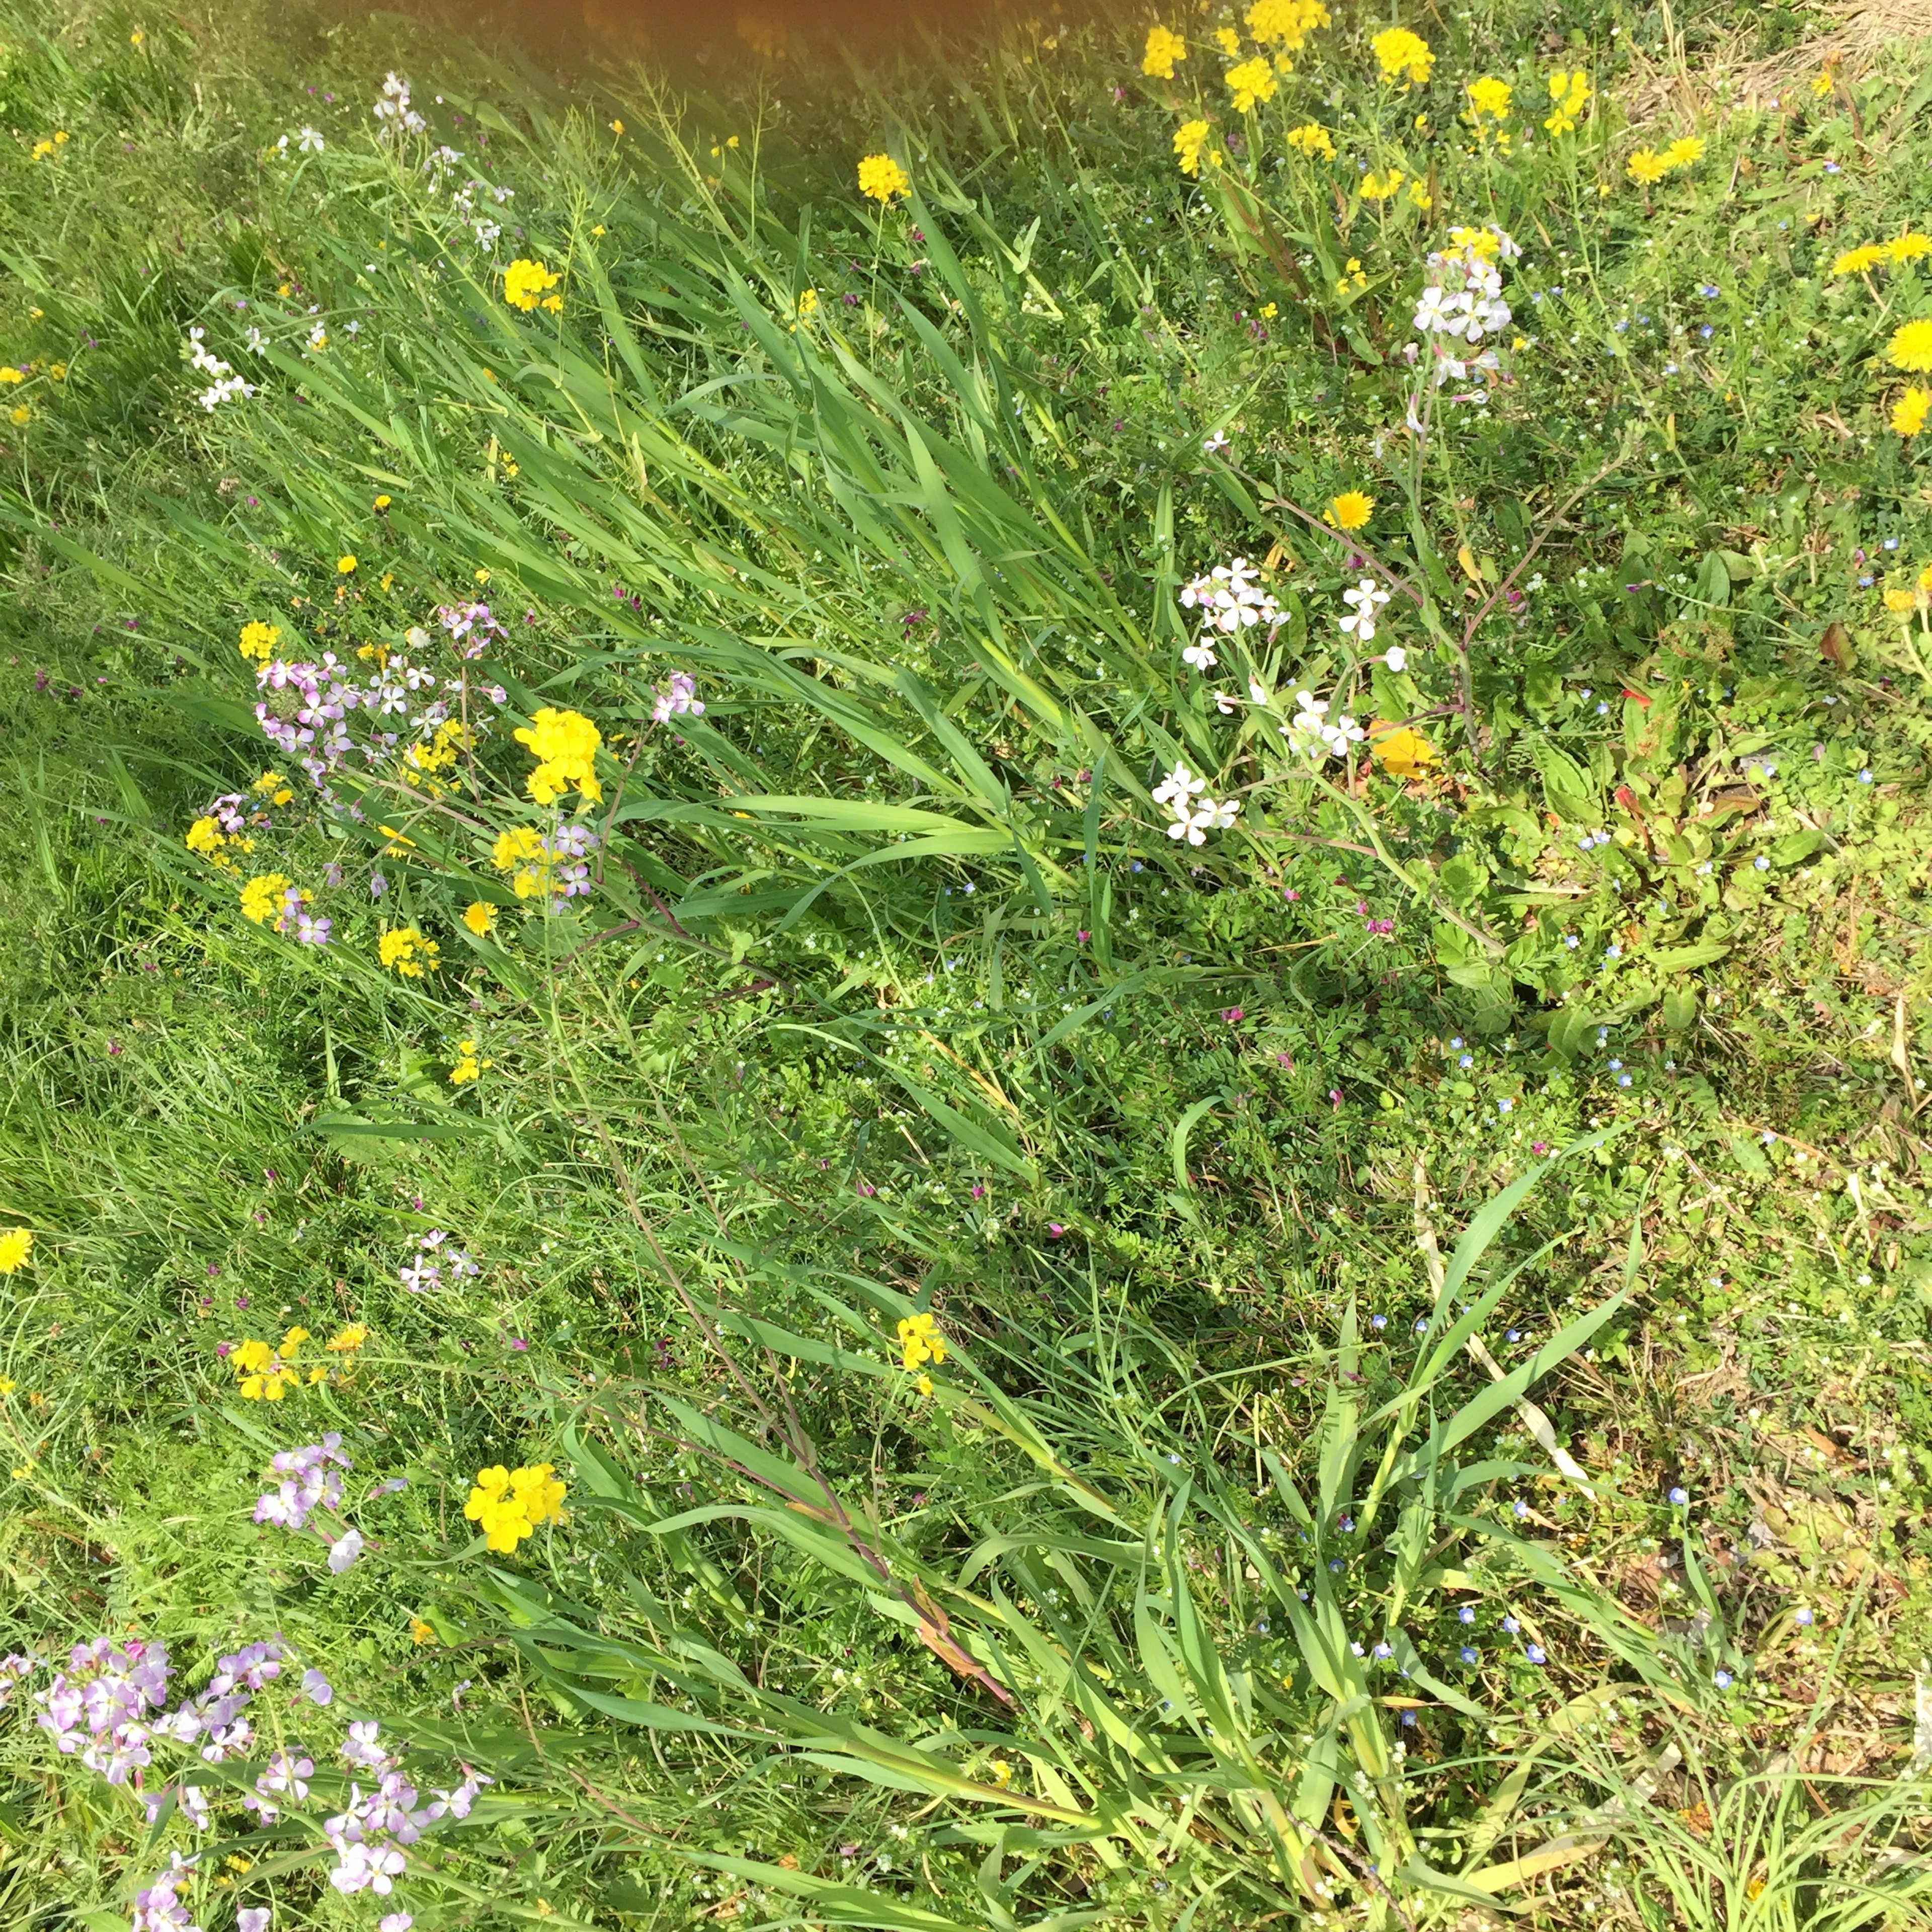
pixel 1195 813
pixel 1310 730
pixel 1463 302
pixel 393 114
pixel 308 141
pixel 442 163
pixel 1363 601
pixel 1229 599
pixel 225 386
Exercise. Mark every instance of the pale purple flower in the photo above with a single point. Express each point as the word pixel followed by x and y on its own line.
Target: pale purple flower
pixel 317 1688
pixel 344 1550
pixel 675 697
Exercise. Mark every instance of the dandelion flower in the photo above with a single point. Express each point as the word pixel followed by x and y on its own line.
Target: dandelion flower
pixel 880 178
pixel 1910 348
pixel 1646 167
pixel 1351 510
pixel 1909 248
pixel 1252 81
pixel 1311 138
pixel 1163 48
pixel 1402 55
pixel 346 1341
pixel 345 564
pixel 16 1244
pixel 1683 151
pixel 524 283
pixel 1909 411
pixel 480 916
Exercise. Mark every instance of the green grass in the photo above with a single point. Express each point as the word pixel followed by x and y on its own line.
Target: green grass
pixel 891 996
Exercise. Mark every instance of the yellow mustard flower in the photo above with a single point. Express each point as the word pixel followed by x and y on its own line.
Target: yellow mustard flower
pixel 205 836
pixel 265 1369
pixel 1352 510
pixel 524 282
pixel 480 916
pixel 1285 23
pixel 1189 140
pixel 16 1245
pixel 258 640
pixel 880 178
pixel 1401 55
pixel 1490 96
pixel 468 1067
pixel 508 1504
pixel 1909 411
pixel 1228 40
pixel 1910 348
pixel 1569 95
pixel 406 950
pixel 262 896
pixel 921 1342
pixel 1379 187
pixel 564 744
pixel 807 303
pixel 1252 81
pixel 1311 139
pixel 1164 48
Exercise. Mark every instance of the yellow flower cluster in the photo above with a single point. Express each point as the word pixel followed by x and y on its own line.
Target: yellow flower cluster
pixel 1311 138
pixel 1252 81
pixel 1648 168
pixel 1401 751
pixel 1569 95
pixel 1379 187
pixel 206 837
pixel 880 178
pixel 507 1505
pixel 480 916
pixel 347 1340
pixel 920 1342
pixel 1908 247
pixel 1163 48
pixel 422 763
pixel 468 1067
pixel 1402 55
pixel 1285 23
pixel 1488 109
pixel 1189 138
pixel 564 744
pixel 258 641
pixel 406 948
pixel 16 1245
pixel 273 786
pixel 519 851
pixel 261 897
pixel 266 1370
pixel 524 283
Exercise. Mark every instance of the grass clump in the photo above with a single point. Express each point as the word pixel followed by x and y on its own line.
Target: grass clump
pixel 779 862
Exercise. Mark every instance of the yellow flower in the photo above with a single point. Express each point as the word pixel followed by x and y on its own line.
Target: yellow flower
pixel 8 1384
pixel 406 948
pixel 16 1245
pixel 1163 48
pixel 261 897
pixel 524 281
pixel 1683 151
pixel 135 39
pixel 1003 1773
pixel 1910 348
pixel 1419 195
pixel 346 1341
pixel 1401 751
pixel 1860 261
pixel 1351 277
pixel 921 1342
pixel 265 1371
pixel 1228 40
pixel 1490 96
pixel 468 1067
pixel 880 178
pixel 1909 248
pixel 480 916
pixel 1646 167
pixel 204 836
pixel 1378 187
pixel 1285 23
pixel 421 1632
pixel 8 373
pixel 1400 54
pixel 345 564
pixel 1188 138
pixel 924 1385
pixel 21 413
pixel 1909 411
pixel 1253 80
pixel 507 1505
pixel 58 370
pixel 808 302
pixel 1899 602
pixel 1311 139
pixel 381 502
pixel 1351 510
pixel 1569 95
pixel 1473 242
pixel 564 744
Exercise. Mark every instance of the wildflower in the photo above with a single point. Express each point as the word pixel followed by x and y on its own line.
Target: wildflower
pixel 808 304
pixel 1164 48
pixel 1228 40
pixel 564 744
pixel 1285 23
pixel 1401 750
pixel 468 1067
pixel 880 178
pixel 1311 138
pixel 1363 601
pixel 422 1633
pixel 265 1370
pixel 1254 80
pixel 404 948
pixel 1683 152
pixel 525 282
pixel 259 640
pixel 346 1341
pixel 1646 167
pixel 1376 187
pixel 1402 54
pixel 1351 510
pixel 508 1504
pixel 1680 1497
pixel 1569 95
pixel 1396 658
pixel 1909 248
pixel 344 1550
pixel 1910 348
pixel 1178 788
pixel 1002 1772
pixel 1230 599
pixel 1201 655
pixel 920 1342
pixel 1213 445
pixel 16 1244
pixel 1488 97
pixel 205 836
pixel 1188 138
pixel 480 916
pixel 677 697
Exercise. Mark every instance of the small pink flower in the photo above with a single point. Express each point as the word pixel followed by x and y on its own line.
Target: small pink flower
pixel 1054 1229
pixel 1082 935
pixel 979 1193
pixel 1231 1014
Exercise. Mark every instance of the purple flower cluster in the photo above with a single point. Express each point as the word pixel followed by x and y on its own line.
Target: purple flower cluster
pixel 677 695
pixel 308 1483
pixel 156 1908
pixel 564 851
pixel 369 1833
pixel 470 627
pixel 101 1704
pixel 433 1255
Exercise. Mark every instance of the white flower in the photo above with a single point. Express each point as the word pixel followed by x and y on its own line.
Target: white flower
pixel 1178 788
pixel 1258 692
pixel 1395 658
pixel 310 141
pixel 1364 600
pixel 344 1550
pixel 1200 655
pixel 1226 703
pixel 1214 444
pixel 1185 827
pixel 1230 599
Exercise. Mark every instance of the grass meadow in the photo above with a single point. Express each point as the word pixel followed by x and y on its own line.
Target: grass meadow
pixel 985 989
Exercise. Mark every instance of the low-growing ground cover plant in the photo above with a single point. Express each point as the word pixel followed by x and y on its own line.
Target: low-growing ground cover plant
pixel 779 862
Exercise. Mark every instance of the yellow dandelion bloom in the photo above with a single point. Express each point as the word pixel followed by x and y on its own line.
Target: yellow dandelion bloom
pixel 880 178
pixel 564 744
pixel 1252 81
pixel 524 282
pixel 345 564
pixel 480 916
pixel 1189 140
pixel 1352 510
pixel 1401 55
pixel 1401 751
pixel 1163 48
pixel 1860 261
pixel 1909 411
pixel 1910 348
pixel 1311 138
pixel 1909 248
pixel 16 1244
pixel 1683 151
pixel 8 373
pixel 1285 23
pixel 1646 167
